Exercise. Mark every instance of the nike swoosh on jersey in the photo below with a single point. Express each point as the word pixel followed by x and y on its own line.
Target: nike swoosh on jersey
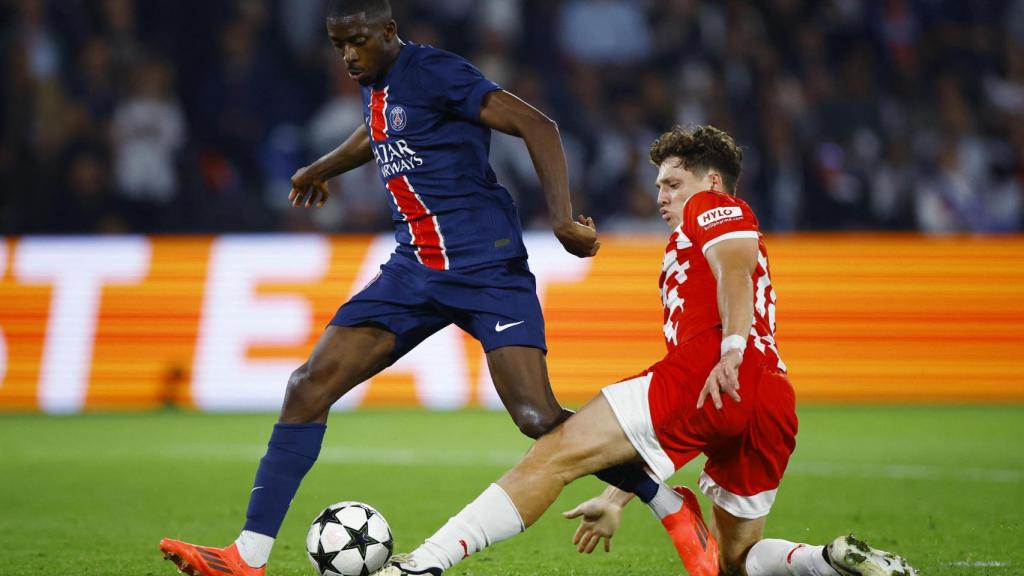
pixel 499 327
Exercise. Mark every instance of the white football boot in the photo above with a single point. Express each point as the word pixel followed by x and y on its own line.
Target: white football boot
pixel 852 557
pixel 404 565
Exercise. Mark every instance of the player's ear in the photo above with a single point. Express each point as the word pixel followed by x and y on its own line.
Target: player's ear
pixel 390 30
pixel 716 181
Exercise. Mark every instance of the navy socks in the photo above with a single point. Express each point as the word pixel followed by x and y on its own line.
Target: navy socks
pixel 291 452
pixel 630 478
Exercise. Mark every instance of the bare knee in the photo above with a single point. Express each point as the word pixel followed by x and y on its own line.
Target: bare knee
pixel 534 422
pixel 306 399
pixel 548 458
pixel 559 455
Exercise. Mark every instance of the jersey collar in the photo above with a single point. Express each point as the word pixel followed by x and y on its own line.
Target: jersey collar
pixel 397 66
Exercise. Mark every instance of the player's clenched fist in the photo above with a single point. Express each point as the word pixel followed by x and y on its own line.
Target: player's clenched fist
pixel 308 190
pixel 579 238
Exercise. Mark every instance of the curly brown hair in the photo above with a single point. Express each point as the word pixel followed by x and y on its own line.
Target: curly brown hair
pixel 701 148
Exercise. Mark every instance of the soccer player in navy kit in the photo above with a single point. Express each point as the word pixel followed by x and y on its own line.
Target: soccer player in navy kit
pixel 460 259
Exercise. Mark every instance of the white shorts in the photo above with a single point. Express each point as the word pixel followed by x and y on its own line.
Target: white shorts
pixel 628 400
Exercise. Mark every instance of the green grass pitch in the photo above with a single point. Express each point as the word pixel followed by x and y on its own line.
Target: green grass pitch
pixel 92 495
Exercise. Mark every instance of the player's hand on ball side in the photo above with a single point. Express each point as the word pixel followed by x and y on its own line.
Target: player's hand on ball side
pixel 579 238
pixel 724 377
pixel 600 520
pixel 308 190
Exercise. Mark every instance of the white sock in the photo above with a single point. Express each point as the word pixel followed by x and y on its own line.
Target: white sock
pixel 489 519
pixel 771 557
pixel 666 502
pixel 254 548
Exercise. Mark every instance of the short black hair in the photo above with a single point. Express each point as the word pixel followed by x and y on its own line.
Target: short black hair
pixel 374 9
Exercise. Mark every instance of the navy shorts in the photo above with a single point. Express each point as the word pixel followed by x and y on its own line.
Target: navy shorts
pixel 495 303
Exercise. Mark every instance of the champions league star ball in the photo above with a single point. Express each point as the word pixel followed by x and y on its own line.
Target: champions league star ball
pixel 349 539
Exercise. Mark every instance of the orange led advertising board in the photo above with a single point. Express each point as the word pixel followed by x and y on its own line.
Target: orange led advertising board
pixel 218 323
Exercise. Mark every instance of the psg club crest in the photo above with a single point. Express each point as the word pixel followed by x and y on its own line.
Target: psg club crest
pixel 397 118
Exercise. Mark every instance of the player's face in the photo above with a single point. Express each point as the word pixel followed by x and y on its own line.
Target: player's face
pixel 676 184
pixel 366 46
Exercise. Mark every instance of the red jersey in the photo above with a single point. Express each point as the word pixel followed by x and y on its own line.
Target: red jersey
pixel 689 292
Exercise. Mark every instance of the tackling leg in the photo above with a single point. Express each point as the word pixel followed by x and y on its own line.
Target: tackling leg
pixel 520 376
pixel 589 441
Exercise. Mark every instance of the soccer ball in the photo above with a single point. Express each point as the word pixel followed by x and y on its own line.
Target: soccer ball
pixel 349 539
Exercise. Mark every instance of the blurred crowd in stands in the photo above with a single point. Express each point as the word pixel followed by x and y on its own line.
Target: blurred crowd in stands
pixel 184 116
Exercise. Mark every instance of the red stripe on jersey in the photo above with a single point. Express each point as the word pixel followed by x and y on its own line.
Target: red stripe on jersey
pixel 789 557
pixel 423 226
pixel 378 122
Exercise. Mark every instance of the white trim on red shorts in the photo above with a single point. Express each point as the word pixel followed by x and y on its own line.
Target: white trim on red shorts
pixel 750 507
pixel 628 400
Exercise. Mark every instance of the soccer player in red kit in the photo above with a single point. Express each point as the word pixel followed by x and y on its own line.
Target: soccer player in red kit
pixel 721 390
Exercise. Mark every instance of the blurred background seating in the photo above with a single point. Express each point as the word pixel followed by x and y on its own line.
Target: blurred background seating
pixel 188 116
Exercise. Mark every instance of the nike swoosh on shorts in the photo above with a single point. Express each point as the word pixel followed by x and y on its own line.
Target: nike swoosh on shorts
pixel 499 327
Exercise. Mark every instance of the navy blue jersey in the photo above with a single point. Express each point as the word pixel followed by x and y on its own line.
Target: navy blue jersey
pixel 423 118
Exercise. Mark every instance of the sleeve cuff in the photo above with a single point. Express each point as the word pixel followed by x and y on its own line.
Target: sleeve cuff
pixel 476 97
pixel 729 236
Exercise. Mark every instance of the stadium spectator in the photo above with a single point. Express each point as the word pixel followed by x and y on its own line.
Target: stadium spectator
pixel 853 115
pixel 605 31
pixel 148 132
pixel 89 205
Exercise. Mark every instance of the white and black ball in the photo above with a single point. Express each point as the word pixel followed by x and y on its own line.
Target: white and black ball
pixel 349 539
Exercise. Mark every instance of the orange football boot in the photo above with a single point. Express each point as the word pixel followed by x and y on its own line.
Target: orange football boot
pixel 696 546
pixel 202 561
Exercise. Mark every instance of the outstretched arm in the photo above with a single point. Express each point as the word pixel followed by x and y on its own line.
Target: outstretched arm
pixel 506 113
pixel 732 262
pixel 309 184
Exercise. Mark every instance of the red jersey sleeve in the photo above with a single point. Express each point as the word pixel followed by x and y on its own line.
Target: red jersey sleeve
pixel 711 217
